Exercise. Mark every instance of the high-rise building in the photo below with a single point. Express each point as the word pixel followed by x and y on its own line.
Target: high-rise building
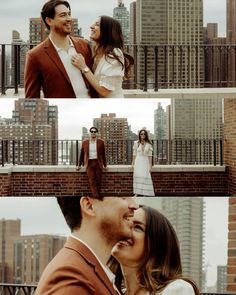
pixel 159 123
pixel 231 39
pixel 31 255
pixel 115 133
pixel 38 31
pixel 19 50
pixel 133 23
pixel 194 120
pixel 34 129
pixel 221 278
pixel 187 215
pixel 9 231
pixel 171 22
pixel 121 14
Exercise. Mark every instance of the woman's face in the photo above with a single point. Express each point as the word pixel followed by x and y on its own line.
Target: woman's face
pixel 142 134
pixel 131 252
pixel 95 30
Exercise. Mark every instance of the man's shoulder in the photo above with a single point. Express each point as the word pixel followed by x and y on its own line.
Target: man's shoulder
pixel 39 47
pixel 78 40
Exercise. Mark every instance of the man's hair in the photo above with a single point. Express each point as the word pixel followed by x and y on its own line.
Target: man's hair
pixel 93 128
pixel 70 208
pixel 48 9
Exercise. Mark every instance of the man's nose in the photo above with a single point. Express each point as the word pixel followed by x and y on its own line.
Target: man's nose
pixel 133 204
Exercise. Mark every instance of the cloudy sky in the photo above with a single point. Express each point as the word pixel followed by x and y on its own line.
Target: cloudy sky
pixel 75 114
pixel 15 14
pixel 42 215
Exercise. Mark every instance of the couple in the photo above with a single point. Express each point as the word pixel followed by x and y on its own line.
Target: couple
pixel 63 66
pixel 145 251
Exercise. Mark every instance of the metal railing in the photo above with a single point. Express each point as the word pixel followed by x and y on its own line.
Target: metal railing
pixel 156 66
pixel 17 289
pixel 20 289
pixel 118 152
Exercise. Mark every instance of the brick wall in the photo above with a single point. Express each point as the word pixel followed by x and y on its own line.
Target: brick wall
pixel 5 184
pixel 116 183
pixel 232 246
pixel 230 141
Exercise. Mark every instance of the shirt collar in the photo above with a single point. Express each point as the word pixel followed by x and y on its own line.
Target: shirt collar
pixel 71 44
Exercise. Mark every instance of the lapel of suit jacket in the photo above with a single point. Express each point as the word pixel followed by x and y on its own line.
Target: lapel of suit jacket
pixel 92 260
pixel 53 55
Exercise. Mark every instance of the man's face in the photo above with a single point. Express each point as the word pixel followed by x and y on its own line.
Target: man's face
pixel 93 133
pixel 114 218
pixel 61 23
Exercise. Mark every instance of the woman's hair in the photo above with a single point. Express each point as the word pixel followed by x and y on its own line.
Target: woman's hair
pixel 146 136
pixel 111 37
pixel 162 262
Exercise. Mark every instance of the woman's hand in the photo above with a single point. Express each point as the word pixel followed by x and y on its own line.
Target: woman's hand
pixel 78 61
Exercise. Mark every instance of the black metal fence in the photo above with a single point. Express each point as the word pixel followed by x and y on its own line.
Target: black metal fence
pixel 17 289
pixel 156 66
pixel 118 152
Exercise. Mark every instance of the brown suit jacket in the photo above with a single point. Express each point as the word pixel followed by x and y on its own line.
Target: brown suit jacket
pixel 84 153
pixel 74 271
pixel 44 69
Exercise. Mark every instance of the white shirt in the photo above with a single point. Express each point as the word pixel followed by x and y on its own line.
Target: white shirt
pixel 73 73
pixel 107 271
pixel 92 150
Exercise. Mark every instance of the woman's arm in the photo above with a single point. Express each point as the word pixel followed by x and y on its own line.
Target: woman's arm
pixel 79 62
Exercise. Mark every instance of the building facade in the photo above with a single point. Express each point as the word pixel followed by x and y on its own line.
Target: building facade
pixel 221 278
pixel 121 14
pixel 32 253
pixel 32 132
pixel 9 231
pixel 169 23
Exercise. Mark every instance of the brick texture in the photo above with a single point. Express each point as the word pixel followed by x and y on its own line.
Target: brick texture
pixel 114 184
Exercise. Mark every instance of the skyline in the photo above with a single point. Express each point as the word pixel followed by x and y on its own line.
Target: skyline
pixel 73 114
pixel 214 11
pixel 30 211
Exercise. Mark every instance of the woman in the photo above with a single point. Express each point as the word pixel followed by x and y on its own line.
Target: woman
pixel 149 262
pixel 142 165
pixel 111 63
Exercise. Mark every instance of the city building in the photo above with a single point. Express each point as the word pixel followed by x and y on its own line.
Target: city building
pixel 121 14
pixel 32 132
pixel 187 215
pixel 32 253
pixel 115 133
pixel 172 23
pixel 18 56
pixel 38 31
pixel 231 38
pixel 190 122
pixel 10 230
pixel 221 278
pixel 159 123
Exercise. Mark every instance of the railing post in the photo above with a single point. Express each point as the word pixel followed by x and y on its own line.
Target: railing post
pixel 156 68
pixel 77 152
pixel 221 152
pixel 2 150
pixel 145 68
pixel 214 148
pixel 13 152
pixel 3 70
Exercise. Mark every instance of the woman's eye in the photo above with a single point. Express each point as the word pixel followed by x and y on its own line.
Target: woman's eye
pixel 138 227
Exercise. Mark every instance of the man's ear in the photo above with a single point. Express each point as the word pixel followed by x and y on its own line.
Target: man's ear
pixel 86 205
pixel 48 20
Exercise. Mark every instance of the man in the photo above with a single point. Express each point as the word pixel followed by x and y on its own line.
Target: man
pixel 93 156
pixel 49 65
pixel 96 226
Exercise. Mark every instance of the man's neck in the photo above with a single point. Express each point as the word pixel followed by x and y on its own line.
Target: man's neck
pixel 61 41
pixel 96 243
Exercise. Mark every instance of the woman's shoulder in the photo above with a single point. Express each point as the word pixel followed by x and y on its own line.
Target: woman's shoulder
pixel 178 287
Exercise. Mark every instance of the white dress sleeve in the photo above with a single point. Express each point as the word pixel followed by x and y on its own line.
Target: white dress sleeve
pixel 178 287
pixel 111 71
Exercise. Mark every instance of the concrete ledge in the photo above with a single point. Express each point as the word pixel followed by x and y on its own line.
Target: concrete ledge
pixel 113 168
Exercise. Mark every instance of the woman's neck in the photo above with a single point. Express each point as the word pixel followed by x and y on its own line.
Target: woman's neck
pixel 131 282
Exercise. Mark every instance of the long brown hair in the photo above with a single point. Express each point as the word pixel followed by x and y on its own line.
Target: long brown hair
pixel 162 262
pixel 146 136
pixel 111 37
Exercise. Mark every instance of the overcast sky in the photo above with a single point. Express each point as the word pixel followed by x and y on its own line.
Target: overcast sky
pixel 15 14
pixel 75 114
pixel 42 215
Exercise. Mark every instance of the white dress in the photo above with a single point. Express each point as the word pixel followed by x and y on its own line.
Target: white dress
pixel 110 74
pixel 178 287
pixel 142 180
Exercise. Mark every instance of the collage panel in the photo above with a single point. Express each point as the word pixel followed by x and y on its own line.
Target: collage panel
pixel 181 243
pixel 146 178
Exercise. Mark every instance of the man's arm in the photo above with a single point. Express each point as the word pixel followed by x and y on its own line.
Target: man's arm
pixel 104 155
pixel 81 158
pixel 32 78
